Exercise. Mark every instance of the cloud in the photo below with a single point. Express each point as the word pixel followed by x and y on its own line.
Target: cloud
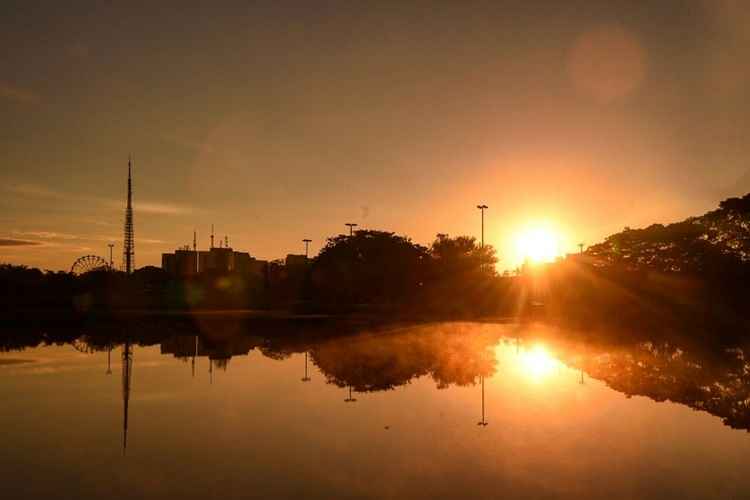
pixel 47 235
pixel 161 208
pixel 7 242
pixel 146 207
pixel 18 94
pixel 49 238
pixel 36 191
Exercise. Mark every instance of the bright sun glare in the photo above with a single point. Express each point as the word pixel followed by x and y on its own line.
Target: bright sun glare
pixel 537 362
pixel 538 245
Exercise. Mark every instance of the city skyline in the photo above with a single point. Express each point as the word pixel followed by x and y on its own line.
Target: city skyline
pixel 283 122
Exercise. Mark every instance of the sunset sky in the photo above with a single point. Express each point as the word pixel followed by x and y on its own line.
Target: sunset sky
pixel 278 121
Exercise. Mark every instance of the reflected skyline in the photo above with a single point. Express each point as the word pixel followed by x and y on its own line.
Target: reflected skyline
pixel 423 385
pixel 449 356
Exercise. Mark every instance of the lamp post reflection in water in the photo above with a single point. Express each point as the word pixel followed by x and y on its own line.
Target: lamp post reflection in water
pixel 109 360
pixel 350 399
pixel 195 353
pixel 306 378
pixel 483 422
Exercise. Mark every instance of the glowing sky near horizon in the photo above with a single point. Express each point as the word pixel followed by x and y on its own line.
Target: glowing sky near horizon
pixel 280 121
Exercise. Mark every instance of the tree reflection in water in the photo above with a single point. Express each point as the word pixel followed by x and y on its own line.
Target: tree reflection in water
pixel 702 375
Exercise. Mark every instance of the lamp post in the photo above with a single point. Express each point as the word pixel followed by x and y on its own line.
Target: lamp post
pixel 483 422
pixel 111 262
pixel 306 378
pixel 482 208
pixel 307 246
pixel 350 399
pixel 351 225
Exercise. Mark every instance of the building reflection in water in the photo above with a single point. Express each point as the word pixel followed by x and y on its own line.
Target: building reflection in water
pixel 710 378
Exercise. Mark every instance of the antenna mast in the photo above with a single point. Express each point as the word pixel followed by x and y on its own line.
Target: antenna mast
pixel 128 247
pixel 195 250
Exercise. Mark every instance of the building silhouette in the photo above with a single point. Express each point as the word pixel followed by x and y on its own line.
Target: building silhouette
pixel 186 263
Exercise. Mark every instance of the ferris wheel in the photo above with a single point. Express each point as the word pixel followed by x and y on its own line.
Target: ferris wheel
pixel 89 263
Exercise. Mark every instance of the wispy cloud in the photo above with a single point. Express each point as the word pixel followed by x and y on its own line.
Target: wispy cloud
pixel 146 207
pixel 47 235
pixel 7 242
pixel 162 208
pixel 18 94
pixel 50 237
pixel 36 191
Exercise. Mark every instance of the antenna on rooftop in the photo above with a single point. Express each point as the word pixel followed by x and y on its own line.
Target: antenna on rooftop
pixel 195 249
pixel 226 241
pixel 212 235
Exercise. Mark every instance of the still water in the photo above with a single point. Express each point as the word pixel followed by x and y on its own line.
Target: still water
pixel 453 410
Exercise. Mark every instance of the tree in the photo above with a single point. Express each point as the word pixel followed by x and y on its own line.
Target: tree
pixel 462 256
pixel 462 278
pixel 369 267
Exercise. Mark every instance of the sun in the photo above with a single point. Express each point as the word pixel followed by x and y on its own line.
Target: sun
pixel 538 245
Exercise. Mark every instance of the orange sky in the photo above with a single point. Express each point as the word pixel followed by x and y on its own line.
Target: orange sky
pixel 280 122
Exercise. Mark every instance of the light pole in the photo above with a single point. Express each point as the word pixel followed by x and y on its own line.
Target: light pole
pixel 482 208
pixel 483 422
pixel 350 399
pixel 306 378
pixel 307 246
pixel 351 225
pixel 111 262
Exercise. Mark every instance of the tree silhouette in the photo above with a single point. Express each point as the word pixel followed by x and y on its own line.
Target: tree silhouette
pixel 369 267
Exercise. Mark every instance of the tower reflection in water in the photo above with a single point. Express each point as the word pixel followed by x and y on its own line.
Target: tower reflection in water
pixel 127 376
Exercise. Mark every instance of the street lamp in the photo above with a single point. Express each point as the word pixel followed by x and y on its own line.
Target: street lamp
pixel 306 378
pixel 483 422
pixel 307 246
pixel 111 262
pixel 482 208
pixel 350 399
pixel 351 225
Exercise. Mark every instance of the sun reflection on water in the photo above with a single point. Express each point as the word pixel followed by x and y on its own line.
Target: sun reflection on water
pixel 537 363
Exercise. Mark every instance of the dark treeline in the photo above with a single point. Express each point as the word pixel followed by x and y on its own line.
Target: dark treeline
pixel 371 270
pixel 690 274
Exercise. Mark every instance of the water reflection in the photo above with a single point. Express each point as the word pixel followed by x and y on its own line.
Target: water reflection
pixel 482 422
pixel 306 378
pixel 127 378
pixel 714 379
pixel 556 418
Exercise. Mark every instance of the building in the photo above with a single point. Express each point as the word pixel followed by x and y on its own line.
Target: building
pixel 186 263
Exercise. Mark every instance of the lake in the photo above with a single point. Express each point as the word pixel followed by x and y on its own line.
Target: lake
pixel 447 410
